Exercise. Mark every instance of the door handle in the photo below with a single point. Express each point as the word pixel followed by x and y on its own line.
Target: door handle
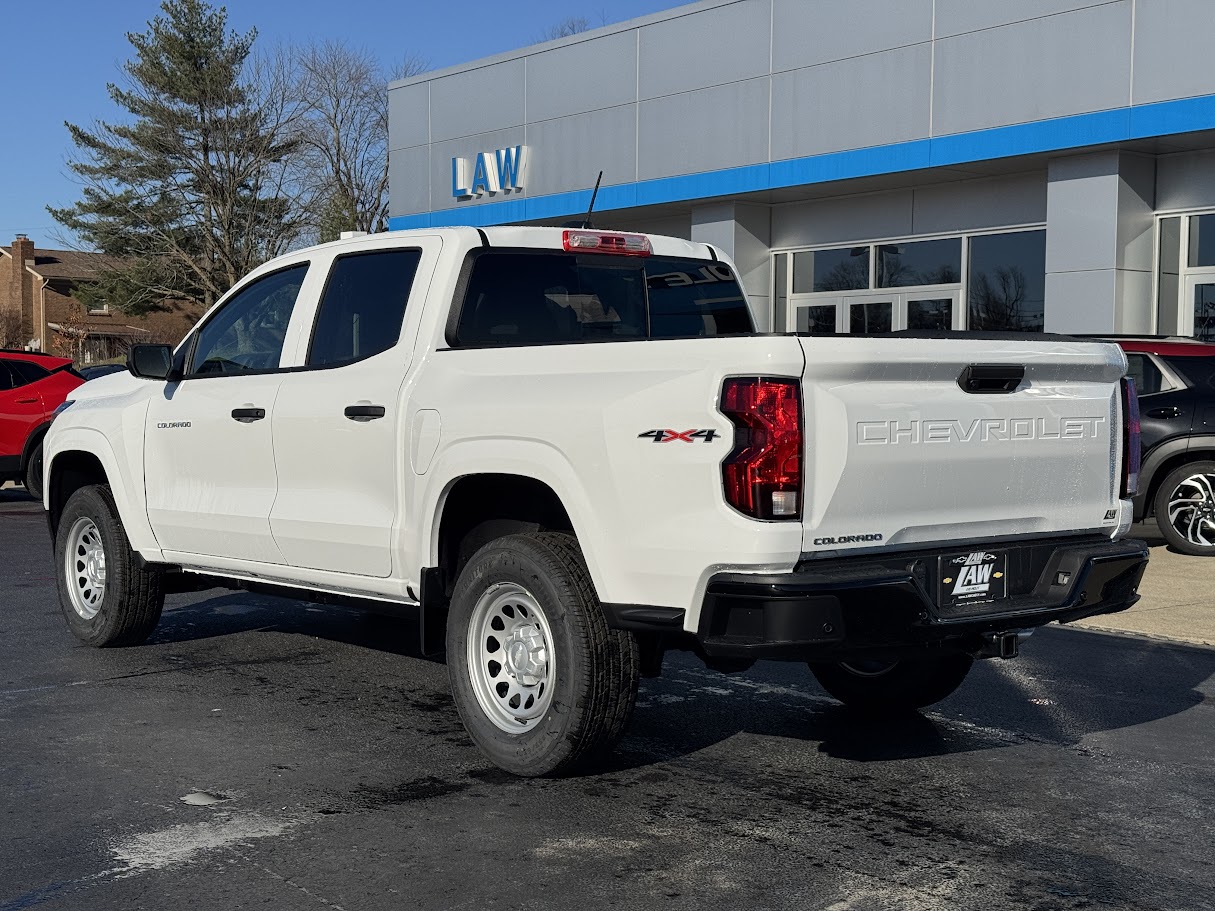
pixel 364 413
pixel 27 401
pixel 1171 411
pixel 248 415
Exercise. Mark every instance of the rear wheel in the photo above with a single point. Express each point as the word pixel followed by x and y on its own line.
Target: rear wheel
pixel 1185 508
pixel 33 473
pixel 106 597
pixel 894 685
pixel 542 685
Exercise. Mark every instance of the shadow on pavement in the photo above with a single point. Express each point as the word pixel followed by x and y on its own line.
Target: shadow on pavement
pixel 1067 684
pixel 225 613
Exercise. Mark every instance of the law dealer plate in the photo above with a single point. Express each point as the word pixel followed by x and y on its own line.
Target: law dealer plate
pixel 973 578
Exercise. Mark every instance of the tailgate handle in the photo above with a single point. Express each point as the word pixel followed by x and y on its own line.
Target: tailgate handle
pixel 991 379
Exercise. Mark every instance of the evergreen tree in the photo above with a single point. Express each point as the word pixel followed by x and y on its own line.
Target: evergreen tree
pixel 190 191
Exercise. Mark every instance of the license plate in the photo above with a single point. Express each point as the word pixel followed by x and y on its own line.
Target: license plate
pixel 973 578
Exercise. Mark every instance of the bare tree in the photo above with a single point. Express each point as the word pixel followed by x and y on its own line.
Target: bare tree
pixel 997 301
pixel 10 329
pixel 342 165
pixel 571 25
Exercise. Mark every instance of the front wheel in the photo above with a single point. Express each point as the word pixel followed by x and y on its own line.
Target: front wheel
pixel 1185 509
pixel 106 597
pixel 894 685
pixel 542 685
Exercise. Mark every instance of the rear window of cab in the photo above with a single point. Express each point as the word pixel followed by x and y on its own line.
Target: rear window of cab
pixel 525 297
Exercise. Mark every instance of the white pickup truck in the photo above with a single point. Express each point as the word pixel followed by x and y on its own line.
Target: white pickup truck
pixel 568 452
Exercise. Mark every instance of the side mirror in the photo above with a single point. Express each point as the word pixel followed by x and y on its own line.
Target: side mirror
pixel 151 362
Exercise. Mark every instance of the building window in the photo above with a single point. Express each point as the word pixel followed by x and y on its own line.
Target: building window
pixel 1007 282
pixel 1168 275
pixel 1185 275
pixel 926 262
pixel 1202 241
pixel 831 270
pixel 980 281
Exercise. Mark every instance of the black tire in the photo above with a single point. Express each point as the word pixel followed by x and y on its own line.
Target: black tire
pixel 591 671
pixel 33 473
pixel 1185 526
pixel 893 687
pixel 130 598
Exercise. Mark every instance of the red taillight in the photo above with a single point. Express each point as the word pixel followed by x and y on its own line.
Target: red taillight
pixel 1130 438
pixel 602 242
pixel 763 473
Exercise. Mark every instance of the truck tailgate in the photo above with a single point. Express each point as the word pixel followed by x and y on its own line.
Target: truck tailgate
pixel 898 453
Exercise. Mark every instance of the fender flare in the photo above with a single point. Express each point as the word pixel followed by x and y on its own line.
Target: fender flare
pixel 532 459
pixel 37 435
pixel 130 506
pixel 1157 457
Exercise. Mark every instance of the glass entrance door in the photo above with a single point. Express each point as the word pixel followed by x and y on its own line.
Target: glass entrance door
pixel 917 311
pixel 1198 315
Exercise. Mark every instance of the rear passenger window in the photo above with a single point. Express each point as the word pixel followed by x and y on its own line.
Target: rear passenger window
pixel 1147 375
pixel 6 378
pixel 525 298
pixel 363 307
pixel 26 372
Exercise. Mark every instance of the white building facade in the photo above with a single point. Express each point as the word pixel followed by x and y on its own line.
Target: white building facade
pixel 871 165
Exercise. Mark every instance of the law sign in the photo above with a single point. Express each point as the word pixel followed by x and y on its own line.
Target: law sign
pixel 499 171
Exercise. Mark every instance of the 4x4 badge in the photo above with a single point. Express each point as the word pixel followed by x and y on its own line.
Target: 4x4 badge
pixel 683 436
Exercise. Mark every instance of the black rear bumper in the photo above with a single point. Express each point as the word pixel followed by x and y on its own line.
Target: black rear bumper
pixel 887 605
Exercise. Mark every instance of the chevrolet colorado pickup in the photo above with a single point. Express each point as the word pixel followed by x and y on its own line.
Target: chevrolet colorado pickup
pixel 567 451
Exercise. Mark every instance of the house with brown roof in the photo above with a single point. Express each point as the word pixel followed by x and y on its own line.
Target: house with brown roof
pixel 39 309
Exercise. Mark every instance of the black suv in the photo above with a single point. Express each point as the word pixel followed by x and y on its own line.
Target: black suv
pixel 1176 382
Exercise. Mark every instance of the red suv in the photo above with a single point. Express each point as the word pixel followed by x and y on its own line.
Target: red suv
pixel 32 386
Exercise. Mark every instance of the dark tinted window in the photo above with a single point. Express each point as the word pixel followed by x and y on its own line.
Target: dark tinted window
pixel 1202 240
pixel 694 298
pixel 1147 375
pixel 518 298
pixel 831 270
pixel 247 334
pixel 1196 371
pixel 1008 282
pixel 6 377
pixel 26 372
pixel 870 318
pixel 817 319
pixel 363 306
pixel 926 262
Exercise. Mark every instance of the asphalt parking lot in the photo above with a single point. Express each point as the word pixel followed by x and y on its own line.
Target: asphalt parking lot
pixel 264 753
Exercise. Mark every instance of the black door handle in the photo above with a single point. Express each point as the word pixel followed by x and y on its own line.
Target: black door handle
pixel 364 412
pixel 248 415
pixel 1170 412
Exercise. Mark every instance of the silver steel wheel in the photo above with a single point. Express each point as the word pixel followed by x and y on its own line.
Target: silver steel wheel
pixel 85 568
pixel 1192 510
pixel 510 657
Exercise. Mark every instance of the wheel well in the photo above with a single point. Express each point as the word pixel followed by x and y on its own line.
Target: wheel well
pixel 31 443
pixel 480 508
pixel 71 471
pixel 1162 472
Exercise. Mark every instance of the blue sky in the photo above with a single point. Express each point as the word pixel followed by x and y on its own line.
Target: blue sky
pixel 56 65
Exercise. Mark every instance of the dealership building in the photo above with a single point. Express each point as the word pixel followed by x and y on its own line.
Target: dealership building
pixel 869 165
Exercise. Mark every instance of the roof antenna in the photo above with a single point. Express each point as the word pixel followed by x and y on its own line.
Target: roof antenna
pixel 586 222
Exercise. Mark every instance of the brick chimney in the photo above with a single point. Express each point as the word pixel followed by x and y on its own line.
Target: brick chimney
pixel 21 286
